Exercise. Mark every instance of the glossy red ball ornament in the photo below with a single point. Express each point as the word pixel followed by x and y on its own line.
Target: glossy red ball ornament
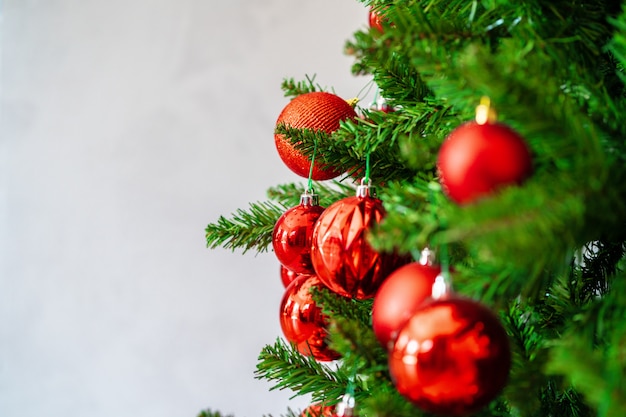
pixel 302 321
pixel 291 238
pixel 399 296
pixel 476 160
pixel 319 111
pixel 452 357
pixel 343 259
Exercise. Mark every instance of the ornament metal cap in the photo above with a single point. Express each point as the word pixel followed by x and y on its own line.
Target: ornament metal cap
pixel 309 198
pixel 345 408
pixel 484 112
pixel 441 287
pixel 365 189
pixel 427 256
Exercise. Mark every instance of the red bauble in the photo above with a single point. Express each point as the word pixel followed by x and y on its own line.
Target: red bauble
pixel 343 259
pixel 287 276
pixel 302 320
pixel 399 296
pixel 316 111
pixel 478 159
pixel 292 235
pixel 452 357
pixel 375 20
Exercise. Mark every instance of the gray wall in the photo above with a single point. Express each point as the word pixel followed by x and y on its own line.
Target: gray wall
pixel 128 125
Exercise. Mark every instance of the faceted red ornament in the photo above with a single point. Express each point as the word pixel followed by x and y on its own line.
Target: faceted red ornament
pixel 302 320
pixel 292 234
pixel 399 296
pixel 319 111
pixel 478 159
pixel 452 357
pixel 343 259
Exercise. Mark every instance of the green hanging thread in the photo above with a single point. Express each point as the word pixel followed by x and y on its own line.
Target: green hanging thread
pixel 310 183
pixel 367 165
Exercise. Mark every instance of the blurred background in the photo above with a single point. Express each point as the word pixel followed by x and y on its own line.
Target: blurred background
pixel 127 127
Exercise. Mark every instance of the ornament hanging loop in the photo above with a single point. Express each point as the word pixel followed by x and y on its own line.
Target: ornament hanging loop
pixel 485 113
pixel 365 189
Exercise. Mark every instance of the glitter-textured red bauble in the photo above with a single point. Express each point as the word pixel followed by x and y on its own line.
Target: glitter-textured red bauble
pixel 452 357
pixel 316 111
pixel 291 238
pixel 476 159
pixel 343 259
pixel 399 296
pixel 302 320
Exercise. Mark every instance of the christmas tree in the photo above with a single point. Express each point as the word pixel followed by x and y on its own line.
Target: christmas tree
pixel 458 246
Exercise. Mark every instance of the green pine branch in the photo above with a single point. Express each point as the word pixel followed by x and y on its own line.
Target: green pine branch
pixel 283 365
pixel 246 229
pixel 293 88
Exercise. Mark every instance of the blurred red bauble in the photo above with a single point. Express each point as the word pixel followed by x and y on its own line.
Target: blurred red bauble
pixel 287 276
pixel 291 238
pixel 476 160
pixel 343 259
pixel 399 296
pixel 319 111
pixel 452 357
pixel 375 20
pixel 302 320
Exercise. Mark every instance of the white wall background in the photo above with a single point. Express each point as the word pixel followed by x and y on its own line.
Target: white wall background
pixel 127 126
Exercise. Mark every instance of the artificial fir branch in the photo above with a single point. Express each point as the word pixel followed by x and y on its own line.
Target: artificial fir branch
pixel 293 88
pixel 247 230
pixel 288 369
pixel 212 413
pixel 328 192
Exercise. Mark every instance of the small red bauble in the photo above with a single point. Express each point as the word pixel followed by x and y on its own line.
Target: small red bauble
pixel 452 357
pixel 478 159
pixel 316 111
pixel 287 276
pixel 375 20
pixel 343 259
pixel 291 238
pixel 302 321
pixel 399 296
